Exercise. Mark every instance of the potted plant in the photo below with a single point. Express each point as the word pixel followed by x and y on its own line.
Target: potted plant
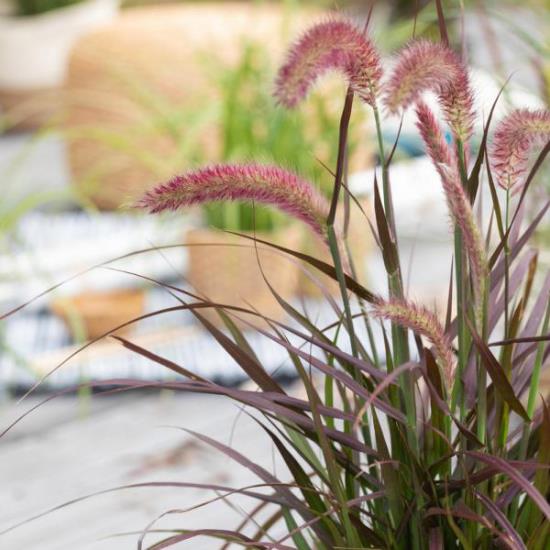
pixel 437 441
pixel 36 37
pixel 432 436
pixel 224 270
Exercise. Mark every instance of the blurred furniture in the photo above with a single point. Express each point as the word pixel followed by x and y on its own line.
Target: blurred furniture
pixel 34 52
pixel 136 86
pixel 48 248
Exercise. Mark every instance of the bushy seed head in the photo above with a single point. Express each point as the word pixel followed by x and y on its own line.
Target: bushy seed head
pixel 420 66
pixel 264 184
pixel 433 138
pixel 515 138
pixel 335 44
pixel 463 217
pixel 457 101
pixel 423 66
pixel 458 203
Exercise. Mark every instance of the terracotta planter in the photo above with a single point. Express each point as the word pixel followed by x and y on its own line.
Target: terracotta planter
pixel 360 242
pixel 228 273
pixel 34 53
pixel 91 314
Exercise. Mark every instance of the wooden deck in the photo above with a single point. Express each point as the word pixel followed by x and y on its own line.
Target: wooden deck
pixel 57 454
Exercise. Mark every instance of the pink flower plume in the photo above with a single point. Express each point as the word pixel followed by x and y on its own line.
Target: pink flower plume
pixel 332 45
pixel 425 323
pixel 463 216
pixel 423 66
pixel 457 101
pixel 457 201
pixel 433 138
pixel 515 138
pixel 269 185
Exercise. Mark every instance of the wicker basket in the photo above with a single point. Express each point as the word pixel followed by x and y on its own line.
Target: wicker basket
pixel 227 272
pixel 128 84
pixel 90 315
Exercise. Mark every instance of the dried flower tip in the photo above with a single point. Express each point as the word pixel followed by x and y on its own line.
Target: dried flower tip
pixel 463 216
pixel 332 45
pixel 421 66
pixel 516 136
pixel 242 182
pixel 428 66
pixel 425 323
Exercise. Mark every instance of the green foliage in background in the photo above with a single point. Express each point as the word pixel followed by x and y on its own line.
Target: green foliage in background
pixel 36 7
pixel 252 127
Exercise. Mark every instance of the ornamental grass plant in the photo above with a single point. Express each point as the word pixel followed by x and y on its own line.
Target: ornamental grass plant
pixel 434 436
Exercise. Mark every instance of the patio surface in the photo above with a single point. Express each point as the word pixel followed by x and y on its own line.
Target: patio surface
pixel 60 453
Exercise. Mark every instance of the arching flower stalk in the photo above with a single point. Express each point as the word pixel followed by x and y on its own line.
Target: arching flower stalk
pixel 425 323
pixel 460 208
pixel 424 66
pixel 332 45
pixel 264 184
pixel 516 136
pixel 463 217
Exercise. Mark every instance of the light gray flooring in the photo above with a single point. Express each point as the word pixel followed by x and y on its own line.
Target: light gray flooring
pixel 56 455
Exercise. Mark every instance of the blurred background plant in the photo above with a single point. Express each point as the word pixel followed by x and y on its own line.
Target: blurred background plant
pixel 252 127
pixel 35 7
pixel 234 120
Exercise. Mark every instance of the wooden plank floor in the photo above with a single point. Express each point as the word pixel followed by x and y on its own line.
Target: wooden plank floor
pixel 56 455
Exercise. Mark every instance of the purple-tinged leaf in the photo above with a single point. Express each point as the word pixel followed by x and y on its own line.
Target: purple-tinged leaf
pixel 325 268
pixel 515 541
pixel 505 467
pixel 498 376
pixel 222 534
pixel 248 363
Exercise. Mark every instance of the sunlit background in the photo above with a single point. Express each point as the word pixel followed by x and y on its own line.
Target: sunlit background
pixel 100 101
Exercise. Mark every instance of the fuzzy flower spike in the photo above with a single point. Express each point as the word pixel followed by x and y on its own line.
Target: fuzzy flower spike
pixel 269 185
pixel 424 66
pixel 425 323
pixel 515 138
pixel 463 217
pixel 436 146
pixel 458 203
pixel 332 45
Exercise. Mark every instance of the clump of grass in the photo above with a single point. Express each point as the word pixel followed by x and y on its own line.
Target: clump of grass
pixel 469 469
pixel 440 445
